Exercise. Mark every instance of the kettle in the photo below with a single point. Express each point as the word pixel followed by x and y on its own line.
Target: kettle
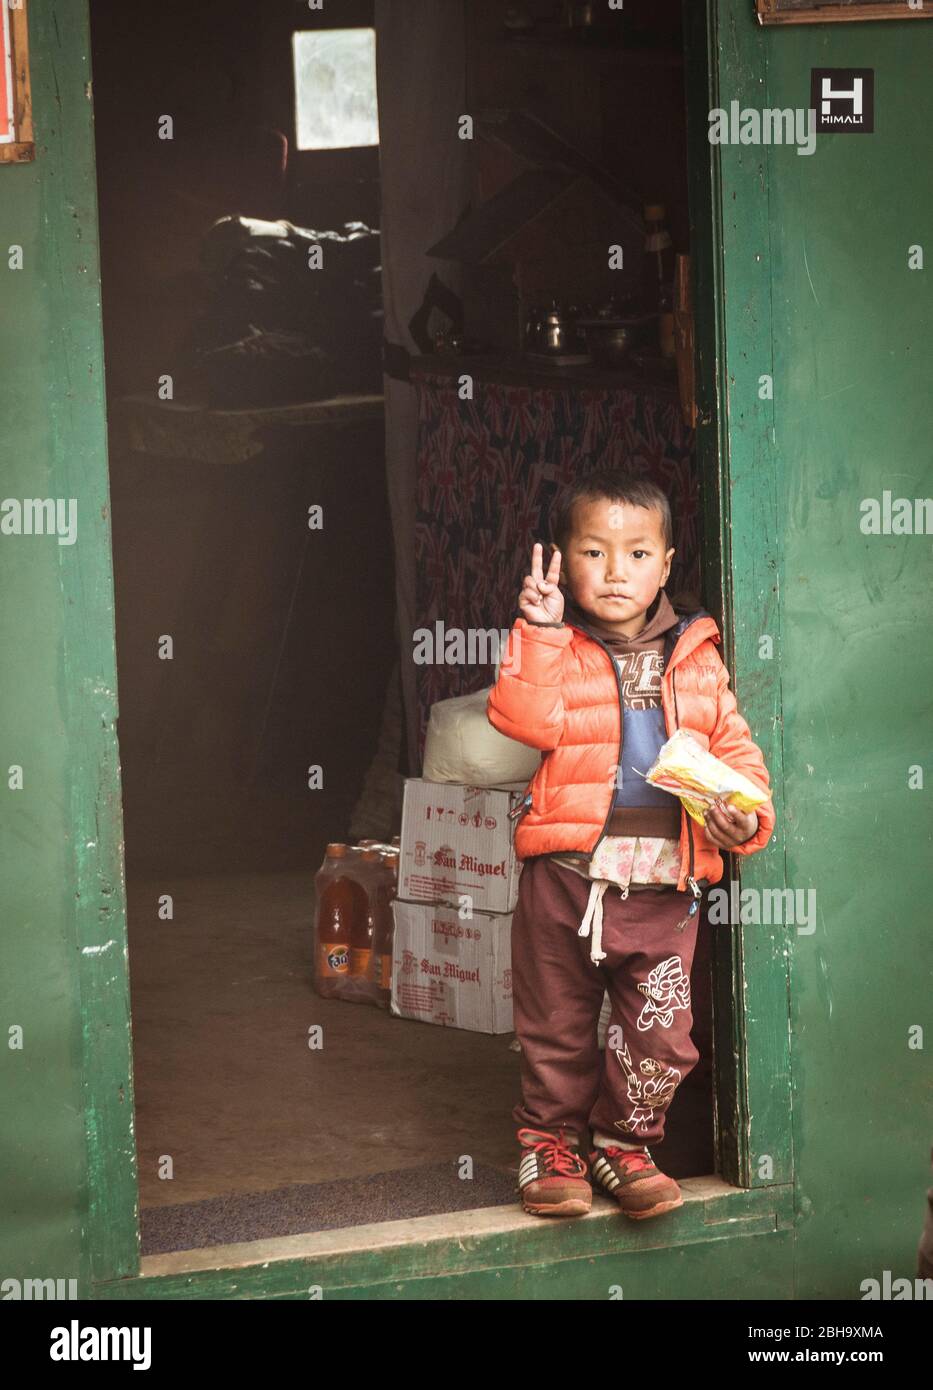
pixel 553 329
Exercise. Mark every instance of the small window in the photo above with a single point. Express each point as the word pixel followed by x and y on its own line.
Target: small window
pixel 335 89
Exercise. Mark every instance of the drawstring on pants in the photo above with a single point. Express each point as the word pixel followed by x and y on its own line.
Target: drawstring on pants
pixel 593 917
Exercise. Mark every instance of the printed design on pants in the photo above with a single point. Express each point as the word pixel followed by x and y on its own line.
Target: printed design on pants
pixel 666 991
pixel 653 1090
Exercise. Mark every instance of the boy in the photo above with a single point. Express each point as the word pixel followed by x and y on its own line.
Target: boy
pixel 603 674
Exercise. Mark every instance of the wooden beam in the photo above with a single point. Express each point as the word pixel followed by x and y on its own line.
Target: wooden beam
pixel 835 13
pixel 23 147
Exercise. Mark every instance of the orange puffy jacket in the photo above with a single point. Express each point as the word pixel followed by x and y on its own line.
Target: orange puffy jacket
pixel 559 690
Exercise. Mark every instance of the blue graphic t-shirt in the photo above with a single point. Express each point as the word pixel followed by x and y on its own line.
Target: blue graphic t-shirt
pixel 638 807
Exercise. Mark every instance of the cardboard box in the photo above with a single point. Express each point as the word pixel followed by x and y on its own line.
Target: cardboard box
pixel 452 971
pixel 459 840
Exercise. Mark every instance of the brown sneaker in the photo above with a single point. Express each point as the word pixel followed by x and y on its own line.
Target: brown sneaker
pixel 552 1175
pixel 629 1175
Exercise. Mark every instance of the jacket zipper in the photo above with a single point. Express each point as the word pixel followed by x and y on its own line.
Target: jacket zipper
pixel 615 672
pixel 691 881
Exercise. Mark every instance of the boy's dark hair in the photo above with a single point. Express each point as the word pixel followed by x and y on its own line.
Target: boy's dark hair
pixel 614 484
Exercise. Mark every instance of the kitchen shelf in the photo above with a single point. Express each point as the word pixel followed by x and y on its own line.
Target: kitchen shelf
pixel 513 369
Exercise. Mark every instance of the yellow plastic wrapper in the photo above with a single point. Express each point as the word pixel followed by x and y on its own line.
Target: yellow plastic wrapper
pixel 699 779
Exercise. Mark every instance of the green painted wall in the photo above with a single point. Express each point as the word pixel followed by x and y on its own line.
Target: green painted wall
pixel 819 294
pixel 62 889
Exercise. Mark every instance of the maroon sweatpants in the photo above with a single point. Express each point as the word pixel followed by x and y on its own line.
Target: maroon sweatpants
pixel 557 993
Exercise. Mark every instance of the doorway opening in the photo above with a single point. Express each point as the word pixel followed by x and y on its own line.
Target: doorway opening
pixel 252 646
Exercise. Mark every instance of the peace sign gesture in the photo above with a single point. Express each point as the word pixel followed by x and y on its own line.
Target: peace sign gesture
pixel 540 600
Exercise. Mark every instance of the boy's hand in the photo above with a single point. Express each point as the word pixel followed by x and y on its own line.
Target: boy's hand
pixel 540 600
pixel 727 826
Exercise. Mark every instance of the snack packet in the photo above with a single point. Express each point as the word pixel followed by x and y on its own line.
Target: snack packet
pixel 699 778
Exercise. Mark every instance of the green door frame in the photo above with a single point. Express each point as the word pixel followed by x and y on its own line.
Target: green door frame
pixel 743 561
pixel 472 1250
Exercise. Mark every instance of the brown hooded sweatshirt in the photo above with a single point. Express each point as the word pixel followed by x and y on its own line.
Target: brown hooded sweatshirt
pixel 639 809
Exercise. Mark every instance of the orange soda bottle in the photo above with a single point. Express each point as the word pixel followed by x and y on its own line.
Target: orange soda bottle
pixel 340 905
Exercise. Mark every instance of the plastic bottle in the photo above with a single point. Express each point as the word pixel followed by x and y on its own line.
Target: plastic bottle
pixel 341 902
pixel 384 933
pixel 362 966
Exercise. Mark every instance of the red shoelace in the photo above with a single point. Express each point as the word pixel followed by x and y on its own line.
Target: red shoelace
pixel 634 1158
pixel 557 1156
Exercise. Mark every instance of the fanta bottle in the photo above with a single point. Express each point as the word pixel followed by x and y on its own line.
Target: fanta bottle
pixel 341 903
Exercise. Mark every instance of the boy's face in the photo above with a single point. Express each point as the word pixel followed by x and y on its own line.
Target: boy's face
pixel 615 563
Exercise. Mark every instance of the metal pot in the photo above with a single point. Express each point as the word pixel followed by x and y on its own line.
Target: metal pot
pixel 610 340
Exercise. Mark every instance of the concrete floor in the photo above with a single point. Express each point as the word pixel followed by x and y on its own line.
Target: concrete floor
pixel 227 1087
